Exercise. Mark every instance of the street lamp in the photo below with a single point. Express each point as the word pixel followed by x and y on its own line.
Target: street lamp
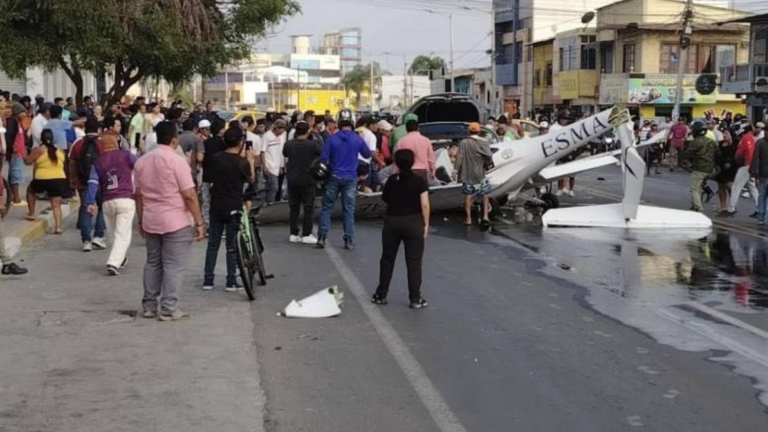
pixel 450 17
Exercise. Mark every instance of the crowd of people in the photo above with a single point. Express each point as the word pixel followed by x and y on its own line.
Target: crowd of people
pixel 185 175
pixel 720 150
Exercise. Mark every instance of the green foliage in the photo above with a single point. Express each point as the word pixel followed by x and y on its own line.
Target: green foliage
pixel 423 64
pixel 358 80
pixel 133 39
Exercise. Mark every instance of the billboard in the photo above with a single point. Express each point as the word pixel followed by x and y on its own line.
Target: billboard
pixel 660 89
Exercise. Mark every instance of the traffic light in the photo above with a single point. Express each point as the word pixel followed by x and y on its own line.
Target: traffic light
pixel 706 84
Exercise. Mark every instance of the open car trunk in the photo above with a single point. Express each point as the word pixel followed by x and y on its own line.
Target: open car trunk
pixel 447 107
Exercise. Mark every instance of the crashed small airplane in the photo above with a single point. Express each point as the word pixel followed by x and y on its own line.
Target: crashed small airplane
pixel 520 165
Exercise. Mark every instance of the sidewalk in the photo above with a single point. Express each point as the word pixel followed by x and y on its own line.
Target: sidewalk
pixel 19 231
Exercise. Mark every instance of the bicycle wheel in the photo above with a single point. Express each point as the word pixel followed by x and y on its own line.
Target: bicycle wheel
pixel 243 263
pixel 258 247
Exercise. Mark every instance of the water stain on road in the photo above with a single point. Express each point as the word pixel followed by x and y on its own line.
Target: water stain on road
pixel 648 280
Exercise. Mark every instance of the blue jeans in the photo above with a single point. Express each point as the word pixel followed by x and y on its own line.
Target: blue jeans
pixel 218 224
pixel 269 188
pixel 348 190
pixel 86 221
pixel 762 200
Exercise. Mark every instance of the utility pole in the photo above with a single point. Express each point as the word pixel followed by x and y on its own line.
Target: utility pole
pixel 682 57
pixel 453 80
pixel 405 82
pixel 371 89
pixel 494 99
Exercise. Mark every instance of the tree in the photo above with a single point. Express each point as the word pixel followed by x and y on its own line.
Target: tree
pixel 132 39
pixel 423 64
pixel 359 79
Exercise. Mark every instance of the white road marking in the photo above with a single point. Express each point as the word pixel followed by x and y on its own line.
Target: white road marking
pixel 728 318
pixel 430 396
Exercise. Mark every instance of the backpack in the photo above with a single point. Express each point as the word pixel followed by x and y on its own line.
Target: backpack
pixel 88 155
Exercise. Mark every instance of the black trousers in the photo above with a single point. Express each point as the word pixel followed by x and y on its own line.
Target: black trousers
pixel 408 230
pixel 298 197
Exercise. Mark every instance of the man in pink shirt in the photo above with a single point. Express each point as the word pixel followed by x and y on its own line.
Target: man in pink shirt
pixel 167 206
pixel 424 163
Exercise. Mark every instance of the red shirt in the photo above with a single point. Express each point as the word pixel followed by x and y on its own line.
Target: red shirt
pixel 746 149
pixel 74 155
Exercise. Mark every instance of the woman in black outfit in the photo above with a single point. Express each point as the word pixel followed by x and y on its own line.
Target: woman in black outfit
pixel 407 221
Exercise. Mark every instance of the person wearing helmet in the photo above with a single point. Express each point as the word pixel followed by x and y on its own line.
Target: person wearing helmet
pixel 744 154
pixel 701 152
pixel 341 153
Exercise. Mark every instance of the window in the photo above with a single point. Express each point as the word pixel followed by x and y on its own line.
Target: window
pixel 725 56
pixel 629 58
pixel 588 58
pixel 529 54
pixel 760 45
pixel 537 78
pixel 561 59
pixel 606 59
pixel 669 61
pixel 519 52
pixel 548 75
pixel 588 52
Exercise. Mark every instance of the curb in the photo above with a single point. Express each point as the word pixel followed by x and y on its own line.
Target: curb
pixel 30 231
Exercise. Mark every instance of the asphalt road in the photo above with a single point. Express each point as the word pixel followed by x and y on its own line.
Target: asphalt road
pixel 528 330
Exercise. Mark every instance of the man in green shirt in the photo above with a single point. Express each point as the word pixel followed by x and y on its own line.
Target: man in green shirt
pixel 400 131
pixel 702 153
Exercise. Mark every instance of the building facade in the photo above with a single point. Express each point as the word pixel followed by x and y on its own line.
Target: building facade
pixel 637 53
pixel 519 24
pixel 347 44
pixel 749 80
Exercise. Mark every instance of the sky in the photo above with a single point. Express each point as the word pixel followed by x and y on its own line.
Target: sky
pixel 402 27
pixel 387 29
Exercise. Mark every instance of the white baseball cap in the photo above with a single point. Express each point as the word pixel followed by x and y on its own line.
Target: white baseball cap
pixel 385 126
pixel 761 125
pixel 543 125
pixel 204 124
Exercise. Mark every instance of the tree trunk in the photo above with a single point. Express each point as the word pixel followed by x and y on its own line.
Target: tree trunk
pixel 123 82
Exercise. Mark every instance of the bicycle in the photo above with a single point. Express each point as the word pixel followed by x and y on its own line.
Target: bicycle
pixel 250 252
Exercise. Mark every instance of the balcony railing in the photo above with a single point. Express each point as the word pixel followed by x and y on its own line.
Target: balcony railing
pixel 740 79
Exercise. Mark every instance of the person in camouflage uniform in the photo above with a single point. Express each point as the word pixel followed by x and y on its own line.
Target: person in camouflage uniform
pixel 702 153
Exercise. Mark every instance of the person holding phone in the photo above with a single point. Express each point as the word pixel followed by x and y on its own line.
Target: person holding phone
pixel 230 171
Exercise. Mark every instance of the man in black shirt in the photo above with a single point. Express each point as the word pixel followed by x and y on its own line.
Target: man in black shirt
pixel 301 152
pixel 228 171
pixel 214 144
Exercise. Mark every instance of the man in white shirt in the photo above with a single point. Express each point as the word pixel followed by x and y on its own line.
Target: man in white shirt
pixel 374 162
pixel 38 123
pixel 272 160
pixel 253 143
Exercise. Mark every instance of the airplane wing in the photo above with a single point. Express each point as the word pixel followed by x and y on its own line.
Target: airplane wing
pixel 556 172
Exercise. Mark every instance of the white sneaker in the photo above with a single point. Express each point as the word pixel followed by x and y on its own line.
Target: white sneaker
pixel 294 239
pixel 572 193
pixel 87 246
pixel 310 239
pixel 208 287
pixel 99 243
pixel 561 192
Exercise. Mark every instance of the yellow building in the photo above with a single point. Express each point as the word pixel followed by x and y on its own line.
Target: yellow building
pixel 543 102
pixel 637 53
pixel 575 70
pixel 315 97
